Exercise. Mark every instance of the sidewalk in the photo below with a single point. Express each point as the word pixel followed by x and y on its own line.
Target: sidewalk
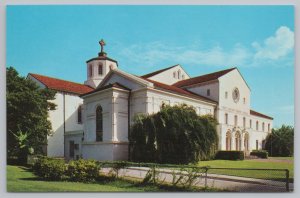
pixel 232 183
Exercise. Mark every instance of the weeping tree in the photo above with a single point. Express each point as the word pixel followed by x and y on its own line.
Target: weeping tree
pixel 176 134
pixel 281 141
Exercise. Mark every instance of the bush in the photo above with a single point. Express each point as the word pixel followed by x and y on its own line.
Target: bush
pixel 83 170
pixel 260 153
pixel 230 155
pixel 50 168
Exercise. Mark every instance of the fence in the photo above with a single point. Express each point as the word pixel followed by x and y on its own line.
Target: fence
pixel 235 179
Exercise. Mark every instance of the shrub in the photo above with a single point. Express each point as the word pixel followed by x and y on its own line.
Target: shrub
pixel 83 170
pixel 50 168
pixel 230 155
pixel 260 153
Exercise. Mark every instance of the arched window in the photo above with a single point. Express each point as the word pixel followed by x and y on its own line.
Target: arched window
pixel 79 114
pixel 246 142
pixel 178 72
pixel 256 125
pixel 237 141
pixel 228 141
pixel 100 69
pixel 174 74
pixel 99 124
pixel 263 126
pixel 90 70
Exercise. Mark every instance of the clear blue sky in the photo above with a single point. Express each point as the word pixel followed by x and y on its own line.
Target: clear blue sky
pixel 57 40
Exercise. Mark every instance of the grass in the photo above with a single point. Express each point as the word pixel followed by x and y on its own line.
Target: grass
pixel 285 163
pixel 21 179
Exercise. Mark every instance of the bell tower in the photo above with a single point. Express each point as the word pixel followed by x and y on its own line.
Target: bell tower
pixel 97 68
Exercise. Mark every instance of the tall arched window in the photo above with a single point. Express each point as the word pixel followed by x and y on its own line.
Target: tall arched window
pixel 79 114
pixel 100 69
pixel 178 72
pixel 237 141
pixel 228 141
pixel 99 124
pixel 246 142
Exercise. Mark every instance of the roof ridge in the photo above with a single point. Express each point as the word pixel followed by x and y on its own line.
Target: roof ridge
pixel 253 112
pixel 158 71
pixel 185 92
pixel 221 72
pixel 59 79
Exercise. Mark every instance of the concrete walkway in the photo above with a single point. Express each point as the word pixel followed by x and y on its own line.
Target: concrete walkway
pixel 231 183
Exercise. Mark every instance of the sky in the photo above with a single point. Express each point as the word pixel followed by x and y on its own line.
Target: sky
pixel 259 40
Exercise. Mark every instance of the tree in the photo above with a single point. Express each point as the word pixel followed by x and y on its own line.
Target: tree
pixel 27 113
pixel 281 142
pixel 176 134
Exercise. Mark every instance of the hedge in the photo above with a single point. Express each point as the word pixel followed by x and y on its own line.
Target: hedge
pixel 260 153
pixel 230 155
pixel 83 170
pixel 50 168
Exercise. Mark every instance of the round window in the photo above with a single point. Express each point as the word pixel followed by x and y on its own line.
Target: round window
pixel 236 95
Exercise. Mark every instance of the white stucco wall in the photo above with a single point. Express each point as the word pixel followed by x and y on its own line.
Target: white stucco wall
pixel 114 103
pixel 241 109
pixel 167 77
pixel 202 88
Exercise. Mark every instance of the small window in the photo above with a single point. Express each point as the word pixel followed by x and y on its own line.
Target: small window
pixel 256 125
pixel 71 149
pixel 244 100
pixel 174 74
pixel 79 114
pixel 226 118
pixel 244 122
pixel 235 120
pixel 250 123
pixel 100 69
pixel 90 70
pixel 269 127
pixel 256 144
pixel 226 94
pixel 208 92
pixel 178 74
pixel 263 126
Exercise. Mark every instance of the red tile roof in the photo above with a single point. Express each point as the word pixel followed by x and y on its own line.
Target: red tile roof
pixel 157 72
pixel 255 113
pixel 177 90
pixel 62 85
pixel 204 78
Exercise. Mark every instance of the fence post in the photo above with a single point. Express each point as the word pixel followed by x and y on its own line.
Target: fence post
pixel 206 169
pixel 287 175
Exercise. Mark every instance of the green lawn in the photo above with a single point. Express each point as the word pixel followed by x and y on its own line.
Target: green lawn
pixel 20 179
pixel 271 163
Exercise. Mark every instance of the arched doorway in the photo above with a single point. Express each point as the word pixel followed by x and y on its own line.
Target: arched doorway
pixel 246 142
pixel 237 141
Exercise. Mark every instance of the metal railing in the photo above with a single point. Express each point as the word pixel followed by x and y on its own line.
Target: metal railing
pixel 235 179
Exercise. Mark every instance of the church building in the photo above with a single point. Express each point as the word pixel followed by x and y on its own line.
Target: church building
pixel 92 120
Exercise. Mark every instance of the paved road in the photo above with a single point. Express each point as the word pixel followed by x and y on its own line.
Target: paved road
pixel 231 183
